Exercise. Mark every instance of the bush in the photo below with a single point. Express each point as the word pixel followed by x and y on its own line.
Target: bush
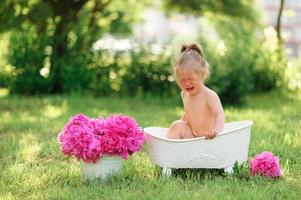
pixel 231 70
pixel 132 73
pixel 247 62
pixel 294 75
pixel 29 53
pixel 269 67
pixel 244 65
pixel 75 74
pixel 26 56
pixel 4 67
pixel 150 73
pixel 105 78
pixel 4 80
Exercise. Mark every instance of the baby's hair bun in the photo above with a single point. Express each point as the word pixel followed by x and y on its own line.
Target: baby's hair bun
pixel 192 47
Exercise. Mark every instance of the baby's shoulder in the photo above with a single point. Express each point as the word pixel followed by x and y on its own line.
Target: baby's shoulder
pixel 210 93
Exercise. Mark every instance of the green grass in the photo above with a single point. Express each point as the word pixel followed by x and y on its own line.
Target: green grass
pixel 32 166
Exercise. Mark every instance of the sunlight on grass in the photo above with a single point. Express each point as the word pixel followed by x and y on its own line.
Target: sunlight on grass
pixel 18 171
pixel 7 196
pixel 288 139
pixel 260 118
pixel 4 92
pixel 29 147
pixel 98 112
pixel 53 112
pixel 18 168
pixel 142 166
pixel 297 142
pixel 6 116
pixel 28 117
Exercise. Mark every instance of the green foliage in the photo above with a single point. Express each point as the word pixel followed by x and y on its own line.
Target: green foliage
pixel 60 42
pixel 241 171
pixel 150 73
pixel 62 38
pixel 231 75
pixel 241 9
pixel 241 67
pixel 26 63
pixel 244 60
pixel 75 77
pixel 4 67
pixel 70 28
pixel 294 75
pixel 105 74
pixel 131 73
pixel 270 66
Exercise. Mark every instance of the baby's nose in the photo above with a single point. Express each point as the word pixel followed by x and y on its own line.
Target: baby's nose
pixel 187 83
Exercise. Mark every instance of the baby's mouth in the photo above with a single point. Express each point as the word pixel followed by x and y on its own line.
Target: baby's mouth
pixel 189 89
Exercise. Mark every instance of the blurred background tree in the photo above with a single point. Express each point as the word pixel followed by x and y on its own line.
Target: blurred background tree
pixel 56 37
pixel 51 48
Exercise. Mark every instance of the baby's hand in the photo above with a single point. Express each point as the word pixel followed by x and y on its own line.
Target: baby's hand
pixel 211 134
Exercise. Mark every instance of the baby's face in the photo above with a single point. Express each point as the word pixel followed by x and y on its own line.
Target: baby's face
pixel 190 81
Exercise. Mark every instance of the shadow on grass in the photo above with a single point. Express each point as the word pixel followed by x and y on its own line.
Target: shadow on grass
pixel 197 174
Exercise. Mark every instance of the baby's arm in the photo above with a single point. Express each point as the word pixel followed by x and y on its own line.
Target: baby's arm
pixel 217 109
pixel 184 115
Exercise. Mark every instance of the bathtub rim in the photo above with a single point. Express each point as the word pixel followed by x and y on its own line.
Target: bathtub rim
pixel 248 123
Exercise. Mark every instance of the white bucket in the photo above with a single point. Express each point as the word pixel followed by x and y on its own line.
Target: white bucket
pixel 103 168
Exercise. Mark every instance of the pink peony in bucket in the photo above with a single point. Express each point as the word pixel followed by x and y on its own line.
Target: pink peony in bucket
pixel 90 140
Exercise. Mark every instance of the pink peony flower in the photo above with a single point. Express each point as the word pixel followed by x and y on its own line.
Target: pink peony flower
pixel 265 164
pixel 89 139
pixel 122 136
pixel 77 138
pixel 97 125
pixel 78 123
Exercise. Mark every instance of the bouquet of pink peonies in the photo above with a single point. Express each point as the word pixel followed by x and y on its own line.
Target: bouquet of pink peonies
pixel 265 164
pixel 90 139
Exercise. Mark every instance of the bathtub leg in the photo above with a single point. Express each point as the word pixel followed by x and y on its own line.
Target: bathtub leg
pixel 166 171
pixel 228 170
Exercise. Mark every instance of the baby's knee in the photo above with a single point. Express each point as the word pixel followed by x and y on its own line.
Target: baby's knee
pixel 178 124
pixel 179 129
pixel 175 129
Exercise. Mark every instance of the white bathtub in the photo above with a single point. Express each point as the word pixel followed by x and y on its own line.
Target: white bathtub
pixel 231 145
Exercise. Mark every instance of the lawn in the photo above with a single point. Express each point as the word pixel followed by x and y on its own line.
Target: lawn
pixel 32 166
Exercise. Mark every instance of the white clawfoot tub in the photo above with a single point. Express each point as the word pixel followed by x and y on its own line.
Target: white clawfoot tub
pixel 229 146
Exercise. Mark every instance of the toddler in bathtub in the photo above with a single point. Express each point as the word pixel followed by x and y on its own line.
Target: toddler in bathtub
pixel 203 111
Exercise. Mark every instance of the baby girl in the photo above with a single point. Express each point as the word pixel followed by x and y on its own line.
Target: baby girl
pixel 203 111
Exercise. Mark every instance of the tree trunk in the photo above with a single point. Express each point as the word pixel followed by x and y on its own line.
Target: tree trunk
pixel 278 25
pixel 60 43
pixel 67 10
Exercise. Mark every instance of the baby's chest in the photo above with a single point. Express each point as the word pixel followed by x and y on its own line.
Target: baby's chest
pixel 193 107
